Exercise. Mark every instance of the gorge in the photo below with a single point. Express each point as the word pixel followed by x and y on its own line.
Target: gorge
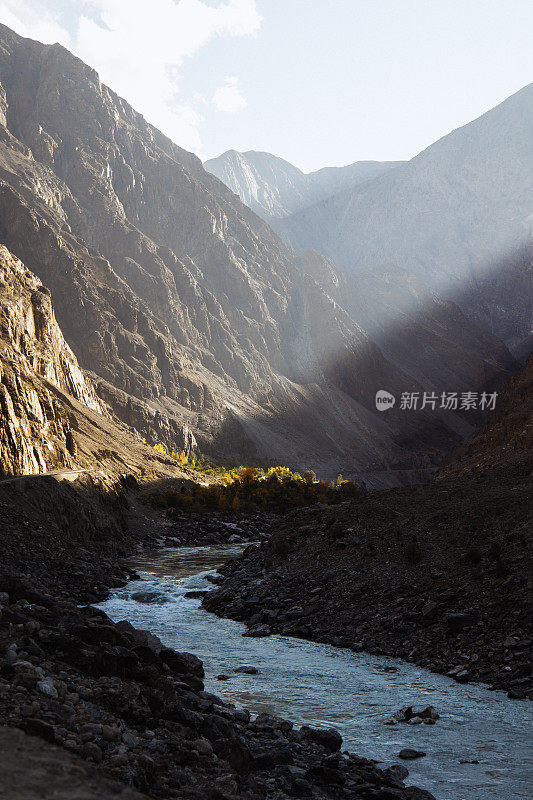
pixel 192 457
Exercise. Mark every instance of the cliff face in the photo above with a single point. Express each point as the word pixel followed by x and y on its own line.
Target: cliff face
pixel 50 416
pixel 191 316
pixel 34 434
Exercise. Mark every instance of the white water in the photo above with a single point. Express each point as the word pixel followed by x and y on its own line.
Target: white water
pixel 322 685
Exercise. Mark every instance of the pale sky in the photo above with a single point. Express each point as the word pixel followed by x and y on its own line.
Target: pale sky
pixel 318 82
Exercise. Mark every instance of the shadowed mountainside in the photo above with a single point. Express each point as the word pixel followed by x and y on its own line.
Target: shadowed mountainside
pixel 438 574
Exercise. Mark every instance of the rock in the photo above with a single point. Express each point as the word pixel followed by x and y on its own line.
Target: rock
pixel 111 733
pixel 92 751
pixel 429 609
pixel 202 746
pixel 389 793
pixel 223 677
pixel 258 631
pixel 273 722
pixel 130 740
pixel 458 622
pixel 246 669
pixel 408 753
pixel 456 670
pixel 427 712
pixel 398 771
pixel 37 727
pixel 47 688
pixel 91 731
pixel 327 737
pixel 11 654
pixel 277 753
pixel 402 715
pixel 182 663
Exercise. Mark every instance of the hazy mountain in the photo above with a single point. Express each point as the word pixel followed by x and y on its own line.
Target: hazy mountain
pixel 273 188
pixel 190 314
pixel 452 216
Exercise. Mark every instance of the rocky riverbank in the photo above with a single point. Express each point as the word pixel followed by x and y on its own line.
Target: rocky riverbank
pixel 119 699
pixel 132 709
pixel 448 589
pixel 436 574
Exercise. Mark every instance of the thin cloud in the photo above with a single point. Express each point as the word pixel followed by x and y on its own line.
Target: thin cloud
pixel 228 98
pixel 138 48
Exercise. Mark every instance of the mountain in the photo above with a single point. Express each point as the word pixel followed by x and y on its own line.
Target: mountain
pixel 274 188
pixel 454 216
pixel 196 324
pixel 51 418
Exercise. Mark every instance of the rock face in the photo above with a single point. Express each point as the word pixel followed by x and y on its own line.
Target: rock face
pixel 273 188
pixel 51 418
pixel 195 322
pixel 456 216
pixel 34 435
pixel 438 574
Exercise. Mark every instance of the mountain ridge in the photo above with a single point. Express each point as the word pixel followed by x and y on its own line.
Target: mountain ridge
pixel 195 322
pixel 274 188
pixel 451 215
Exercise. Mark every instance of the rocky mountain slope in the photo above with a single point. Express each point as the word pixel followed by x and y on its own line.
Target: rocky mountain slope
pixel 274 188
pixel 452 216
pixel 438 574
pixel 51 418
pixel 192 318
pixel 34 434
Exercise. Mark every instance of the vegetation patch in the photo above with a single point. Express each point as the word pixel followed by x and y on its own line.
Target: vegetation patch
pixel 244 489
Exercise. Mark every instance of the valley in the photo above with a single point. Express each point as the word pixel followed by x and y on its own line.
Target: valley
pixel 193 458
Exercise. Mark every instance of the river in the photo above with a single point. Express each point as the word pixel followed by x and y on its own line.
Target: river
pixel 327 686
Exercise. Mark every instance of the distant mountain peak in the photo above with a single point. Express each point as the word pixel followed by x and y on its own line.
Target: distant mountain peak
pixel 275 188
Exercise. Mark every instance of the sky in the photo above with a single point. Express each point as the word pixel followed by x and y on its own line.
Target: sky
pixel 317 82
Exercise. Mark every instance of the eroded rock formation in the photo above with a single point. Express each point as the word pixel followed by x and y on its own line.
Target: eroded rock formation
pixel 34 432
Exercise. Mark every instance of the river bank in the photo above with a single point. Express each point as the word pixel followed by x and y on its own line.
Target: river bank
pixel 119 698
pixel 476 748
pixel 438 575
pixel 116 697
